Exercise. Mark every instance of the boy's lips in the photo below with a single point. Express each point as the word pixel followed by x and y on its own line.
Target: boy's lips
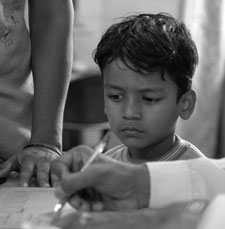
pixel 131 129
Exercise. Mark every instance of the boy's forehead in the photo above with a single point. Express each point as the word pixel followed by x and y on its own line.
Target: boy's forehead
pixel 118 74
pixel 119 67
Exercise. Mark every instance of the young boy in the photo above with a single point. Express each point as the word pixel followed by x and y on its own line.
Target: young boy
pixel 147 62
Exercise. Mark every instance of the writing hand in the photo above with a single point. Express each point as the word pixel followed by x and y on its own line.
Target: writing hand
pixel 116 186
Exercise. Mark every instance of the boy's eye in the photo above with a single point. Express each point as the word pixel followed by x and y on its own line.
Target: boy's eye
pixel 150 100
pixel 115 97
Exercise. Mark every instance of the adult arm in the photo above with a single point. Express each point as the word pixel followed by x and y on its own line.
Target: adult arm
pixel 51 28
pixel 183 181
pixel 122 186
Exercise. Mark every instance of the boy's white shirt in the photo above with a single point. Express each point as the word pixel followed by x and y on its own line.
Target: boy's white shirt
pixel 182 181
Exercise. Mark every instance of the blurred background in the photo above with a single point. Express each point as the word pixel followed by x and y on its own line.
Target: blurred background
pixel 84 119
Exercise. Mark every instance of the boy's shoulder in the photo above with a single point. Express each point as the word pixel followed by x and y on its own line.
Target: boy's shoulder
pixel 189 150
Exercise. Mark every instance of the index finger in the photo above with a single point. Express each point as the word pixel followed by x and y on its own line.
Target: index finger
pixel 26 171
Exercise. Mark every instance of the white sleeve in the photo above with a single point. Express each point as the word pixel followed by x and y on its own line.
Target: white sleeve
pixel 181 181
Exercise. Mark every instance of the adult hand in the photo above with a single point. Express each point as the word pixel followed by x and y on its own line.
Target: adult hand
pixel 31 162
pixel 116 186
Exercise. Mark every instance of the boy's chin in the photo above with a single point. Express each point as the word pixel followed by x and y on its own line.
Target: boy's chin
pixel 134 144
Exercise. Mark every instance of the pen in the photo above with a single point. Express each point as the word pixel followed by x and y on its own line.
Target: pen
pixel 98 150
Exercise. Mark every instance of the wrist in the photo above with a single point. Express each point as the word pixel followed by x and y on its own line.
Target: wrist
pixel 45 146
pixel 47 136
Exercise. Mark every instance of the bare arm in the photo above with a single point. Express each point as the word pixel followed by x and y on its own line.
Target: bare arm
pixel 51 23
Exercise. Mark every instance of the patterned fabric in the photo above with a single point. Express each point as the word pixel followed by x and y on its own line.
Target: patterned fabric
pixel 16 83
pixel 181 150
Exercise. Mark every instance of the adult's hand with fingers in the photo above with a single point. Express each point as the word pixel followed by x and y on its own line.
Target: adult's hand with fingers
pixel 72 160
pixel 116 186
pixel 31 162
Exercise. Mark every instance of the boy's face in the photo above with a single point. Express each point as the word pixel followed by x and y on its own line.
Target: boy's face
pixel 142 109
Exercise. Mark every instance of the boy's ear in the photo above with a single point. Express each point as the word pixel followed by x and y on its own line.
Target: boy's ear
pixel 186 104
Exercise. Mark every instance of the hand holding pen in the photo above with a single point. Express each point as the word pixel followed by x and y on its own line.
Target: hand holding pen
pixel 119 186
pixel 98 150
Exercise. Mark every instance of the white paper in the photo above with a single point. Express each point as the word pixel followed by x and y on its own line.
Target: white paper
pixel 24 208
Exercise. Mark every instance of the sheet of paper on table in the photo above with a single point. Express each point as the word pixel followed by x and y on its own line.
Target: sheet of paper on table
pixel 25 208
pixel 32 208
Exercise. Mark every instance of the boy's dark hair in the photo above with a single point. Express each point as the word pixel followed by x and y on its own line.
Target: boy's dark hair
pixel 148 43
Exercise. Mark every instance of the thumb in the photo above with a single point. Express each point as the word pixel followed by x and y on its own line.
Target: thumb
pixel 60 194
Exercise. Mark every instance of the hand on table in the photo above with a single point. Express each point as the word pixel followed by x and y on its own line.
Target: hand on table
pixel 116 186
pixel 31 162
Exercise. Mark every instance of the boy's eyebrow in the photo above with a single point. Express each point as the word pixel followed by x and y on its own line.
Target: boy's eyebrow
pixel 153 89
pixel 112 86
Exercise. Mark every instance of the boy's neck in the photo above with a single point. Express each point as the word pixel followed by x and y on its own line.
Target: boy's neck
pixel 153 152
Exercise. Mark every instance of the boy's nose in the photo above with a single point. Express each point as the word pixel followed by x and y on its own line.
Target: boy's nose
pixel 132 110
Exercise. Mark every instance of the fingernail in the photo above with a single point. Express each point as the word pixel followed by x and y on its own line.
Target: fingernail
pixel 46 186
